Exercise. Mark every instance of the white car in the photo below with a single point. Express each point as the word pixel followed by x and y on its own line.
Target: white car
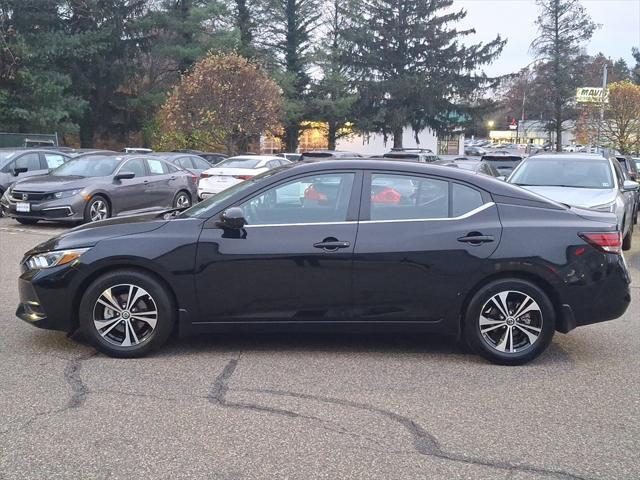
pixel 235 170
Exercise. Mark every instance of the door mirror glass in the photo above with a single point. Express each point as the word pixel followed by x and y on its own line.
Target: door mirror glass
pixel 232 218
pixel 124 176
pixel 630 186
pixel 17 171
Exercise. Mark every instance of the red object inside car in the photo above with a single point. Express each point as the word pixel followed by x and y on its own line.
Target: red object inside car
pixel 311 193
pixel 388 195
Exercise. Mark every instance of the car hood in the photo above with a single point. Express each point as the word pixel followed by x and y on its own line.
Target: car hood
pixel 50 183
pixel 580 197
pixel 90 234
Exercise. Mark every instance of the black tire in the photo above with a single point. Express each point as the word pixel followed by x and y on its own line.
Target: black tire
pixel 628 239
pixel 182 196
pixel 93 204
pixel 111 337
pixel 27 221
pixel 487 345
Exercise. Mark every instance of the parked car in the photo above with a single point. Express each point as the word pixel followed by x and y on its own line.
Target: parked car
pixel 235 170
pixel 412 154
pixel 626 170
pixel 474 151
pixel 88 152
pixel 16 164
pixel 212 157
pixel 136 150
pixel 251 256
pixel 95 188
pixel 326 154
pixel 477 166
pixel 292 157
pixel 630 165
pixel 189 162
pixel 586 181
pixel 504 162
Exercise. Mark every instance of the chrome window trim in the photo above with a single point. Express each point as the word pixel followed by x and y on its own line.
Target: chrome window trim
pixel 460 217
pixel 439 219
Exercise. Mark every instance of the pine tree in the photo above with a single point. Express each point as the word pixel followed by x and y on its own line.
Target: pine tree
pixel 563 27
pixel 636 69
pixel 408 64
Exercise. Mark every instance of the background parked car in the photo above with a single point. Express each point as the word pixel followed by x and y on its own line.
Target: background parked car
pixel 235 170
pixel 212 157
pixel 587 181
pixel 316 154
pixel 473 150
pixel 413 154
pixel 16 164
pixel 478 166
pixel 95 188
pixel 292 157
pixel 189 162
pixel 503 162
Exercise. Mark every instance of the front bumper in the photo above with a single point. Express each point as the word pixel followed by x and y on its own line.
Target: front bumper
pixel 64 209
pixel 46 297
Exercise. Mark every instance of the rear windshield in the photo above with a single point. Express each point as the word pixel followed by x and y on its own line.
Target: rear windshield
pixel 239 163
pixel 578 173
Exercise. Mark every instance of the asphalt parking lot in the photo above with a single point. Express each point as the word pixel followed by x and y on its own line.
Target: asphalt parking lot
pixel 254 406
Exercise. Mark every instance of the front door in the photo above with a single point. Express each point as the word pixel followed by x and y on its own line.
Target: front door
pixel 292 262
pixel 420 241
pixel 133 193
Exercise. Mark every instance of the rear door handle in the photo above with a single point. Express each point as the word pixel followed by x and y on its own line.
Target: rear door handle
pixel 476 239
pixel 331 245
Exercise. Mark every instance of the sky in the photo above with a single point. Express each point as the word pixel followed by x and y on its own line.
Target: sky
pixel 515 20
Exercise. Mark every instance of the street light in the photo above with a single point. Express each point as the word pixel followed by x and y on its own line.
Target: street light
pixel 491 124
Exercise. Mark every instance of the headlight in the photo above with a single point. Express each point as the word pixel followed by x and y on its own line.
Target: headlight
pixel 54 258
pixel 66 193
pixel 605 207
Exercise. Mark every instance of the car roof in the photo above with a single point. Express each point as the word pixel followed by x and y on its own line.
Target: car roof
pixel 254 157
pixel 567 156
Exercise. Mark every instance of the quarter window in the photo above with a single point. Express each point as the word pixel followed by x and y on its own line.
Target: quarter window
pixel 312 199
pixel 465 199
pixel 403 197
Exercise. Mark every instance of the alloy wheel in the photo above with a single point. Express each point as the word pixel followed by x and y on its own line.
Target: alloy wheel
pixel 510 321
pixel 182 201
pixel 98 210
pixel 125 315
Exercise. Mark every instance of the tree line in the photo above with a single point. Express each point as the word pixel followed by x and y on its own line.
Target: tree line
pixel 100 71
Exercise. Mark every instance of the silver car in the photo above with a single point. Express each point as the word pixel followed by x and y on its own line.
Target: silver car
pixel 581 180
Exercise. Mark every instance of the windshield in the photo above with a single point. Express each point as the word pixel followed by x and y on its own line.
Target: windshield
pixel 578 173
pixel 6 155
pixel 88 167
pixel 211 205
pixel 239 163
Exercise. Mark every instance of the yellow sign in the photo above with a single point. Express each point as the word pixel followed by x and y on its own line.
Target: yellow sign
pixel 591 95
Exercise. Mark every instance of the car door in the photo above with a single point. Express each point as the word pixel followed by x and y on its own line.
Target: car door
pixel 292 261
pixel 420 240
pixel 133 193
pixel 628 196
pixel 30 161
pixel 164 183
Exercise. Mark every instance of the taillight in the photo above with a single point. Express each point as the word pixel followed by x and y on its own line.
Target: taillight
pixel 193 179
pixel 242 177
pixel 610 242
pixel 205 175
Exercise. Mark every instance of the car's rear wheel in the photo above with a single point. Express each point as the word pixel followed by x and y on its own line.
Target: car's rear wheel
pixel 182 200
pixel 127 313
pixel 509 321
pixel 628 239
pixel 27 221
pixel 97 209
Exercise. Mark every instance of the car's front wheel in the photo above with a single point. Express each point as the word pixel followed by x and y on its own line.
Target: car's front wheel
pixel 97 209
pixel 182 200
pixel 509 321
pixel 127 313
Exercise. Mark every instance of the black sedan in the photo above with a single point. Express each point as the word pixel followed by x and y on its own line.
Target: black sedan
pixel 97 187
pixel 336 244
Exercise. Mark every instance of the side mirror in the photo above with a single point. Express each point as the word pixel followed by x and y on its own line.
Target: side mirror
pixel 124 176
pixel 18 171
pixel 232 218
pixel 630 186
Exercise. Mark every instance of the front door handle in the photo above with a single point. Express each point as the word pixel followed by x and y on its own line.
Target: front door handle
pixel 476 239
pixel 331 244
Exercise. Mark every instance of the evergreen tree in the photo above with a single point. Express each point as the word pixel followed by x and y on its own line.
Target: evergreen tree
pixel 408 64
pixel 636 70
pixel 563 27
pixel 332 98
pixel 245 26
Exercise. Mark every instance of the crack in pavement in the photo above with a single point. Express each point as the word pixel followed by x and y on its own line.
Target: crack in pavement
pixel 424 443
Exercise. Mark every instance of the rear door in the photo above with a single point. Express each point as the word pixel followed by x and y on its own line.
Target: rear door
pixel 420 240
pixel 162 183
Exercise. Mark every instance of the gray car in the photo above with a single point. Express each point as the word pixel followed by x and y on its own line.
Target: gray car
pixel 186 161
pixel 98 187
pixel 16 164
pixel 581 180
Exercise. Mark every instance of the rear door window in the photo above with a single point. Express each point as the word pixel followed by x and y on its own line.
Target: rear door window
pixel 404 197
pixel 156 167
pixel 54 160
pixel 465 199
